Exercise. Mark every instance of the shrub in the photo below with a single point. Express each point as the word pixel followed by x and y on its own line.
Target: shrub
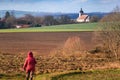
pixel 73 44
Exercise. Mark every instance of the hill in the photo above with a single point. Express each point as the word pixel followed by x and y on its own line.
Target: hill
pixel 75 15
pixel 22 13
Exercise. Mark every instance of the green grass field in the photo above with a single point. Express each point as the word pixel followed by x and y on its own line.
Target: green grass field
pixel 56 28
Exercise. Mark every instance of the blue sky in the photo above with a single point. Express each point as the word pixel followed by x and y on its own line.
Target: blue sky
pixel 65 6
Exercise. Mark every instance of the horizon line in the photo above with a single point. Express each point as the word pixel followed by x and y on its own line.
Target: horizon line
pixel 53 12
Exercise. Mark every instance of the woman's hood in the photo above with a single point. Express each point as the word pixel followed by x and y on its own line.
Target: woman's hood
pixel 30 54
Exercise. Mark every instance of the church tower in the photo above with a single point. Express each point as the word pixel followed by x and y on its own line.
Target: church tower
pixel 81 12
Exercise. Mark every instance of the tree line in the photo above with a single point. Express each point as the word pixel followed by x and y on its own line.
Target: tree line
pixel 10 21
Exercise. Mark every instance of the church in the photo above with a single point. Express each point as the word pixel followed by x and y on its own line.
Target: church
pixel 82 17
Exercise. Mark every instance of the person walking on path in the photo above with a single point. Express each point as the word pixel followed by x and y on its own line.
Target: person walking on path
pixel 29 66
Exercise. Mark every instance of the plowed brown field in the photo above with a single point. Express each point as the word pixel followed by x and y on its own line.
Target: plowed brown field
pixel 39 42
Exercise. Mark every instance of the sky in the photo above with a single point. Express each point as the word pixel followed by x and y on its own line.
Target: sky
pixel 63 6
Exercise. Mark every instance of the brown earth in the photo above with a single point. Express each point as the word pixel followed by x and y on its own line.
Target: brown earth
pixel 39 42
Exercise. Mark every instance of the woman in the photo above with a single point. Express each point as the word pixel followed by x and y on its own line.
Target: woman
pixel 29 66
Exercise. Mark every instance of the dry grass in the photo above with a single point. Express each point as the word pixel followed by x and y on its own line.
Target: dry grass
pixel 73 44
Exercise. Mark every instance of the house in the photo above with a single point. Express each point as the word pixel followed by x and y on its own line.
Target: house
pixel 82 17
pixel 22 26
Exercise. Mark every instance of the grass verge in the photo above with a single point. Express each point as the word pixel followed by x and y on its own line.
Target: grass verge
pixel 90 75
pixel 110 74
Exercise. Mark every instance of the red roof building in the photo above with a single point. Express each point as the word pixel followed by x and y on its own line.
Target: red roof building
pixel 82 17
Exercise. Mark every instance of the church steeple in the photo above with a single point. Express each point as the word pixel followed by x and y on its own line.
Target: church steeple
pixel 81 12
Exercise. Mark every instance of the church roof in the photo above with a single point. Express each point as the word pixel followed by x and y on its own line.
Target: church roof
pixel 83 17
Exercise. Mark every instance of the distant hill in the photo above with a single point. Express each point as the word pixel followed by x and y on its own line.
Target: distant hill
pixel 22 13
pixel 71 15
pixel 75 15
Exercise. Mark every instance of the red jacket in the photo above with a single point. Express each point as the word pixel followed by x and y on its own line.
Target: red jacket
pixel 29 64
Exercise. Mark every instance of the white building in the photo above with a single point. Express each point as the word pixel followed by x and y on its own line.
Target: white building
pixel 82 17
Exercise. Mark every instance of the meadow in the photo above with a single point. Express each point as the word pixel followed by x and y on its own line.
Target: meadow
pixel 56 28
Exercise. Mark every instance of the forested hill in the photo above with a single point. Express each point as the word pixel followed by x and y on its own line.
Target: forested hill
pixel 71 15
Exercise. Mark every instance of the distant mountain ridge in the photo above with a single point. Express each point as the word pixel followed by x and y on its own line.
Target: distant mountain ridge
pixel 71 15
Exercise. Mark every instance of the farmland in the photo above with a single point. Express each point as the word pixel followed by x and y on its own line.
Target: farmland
pixel 40 43
pixel 47 44
pixel 42 39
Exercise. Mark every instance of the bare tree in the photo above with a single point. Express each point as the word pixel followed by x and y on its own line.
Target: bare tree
pixel 109 32
pixel 29 18
pixel 7 15
pixel 49 20
pixel 38 21
pixel 64 19
pixel 94 19
pixel 10 22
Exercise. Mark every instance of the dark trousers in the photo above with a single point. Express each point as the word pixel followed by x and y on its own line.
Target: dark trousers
pixel 29 75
